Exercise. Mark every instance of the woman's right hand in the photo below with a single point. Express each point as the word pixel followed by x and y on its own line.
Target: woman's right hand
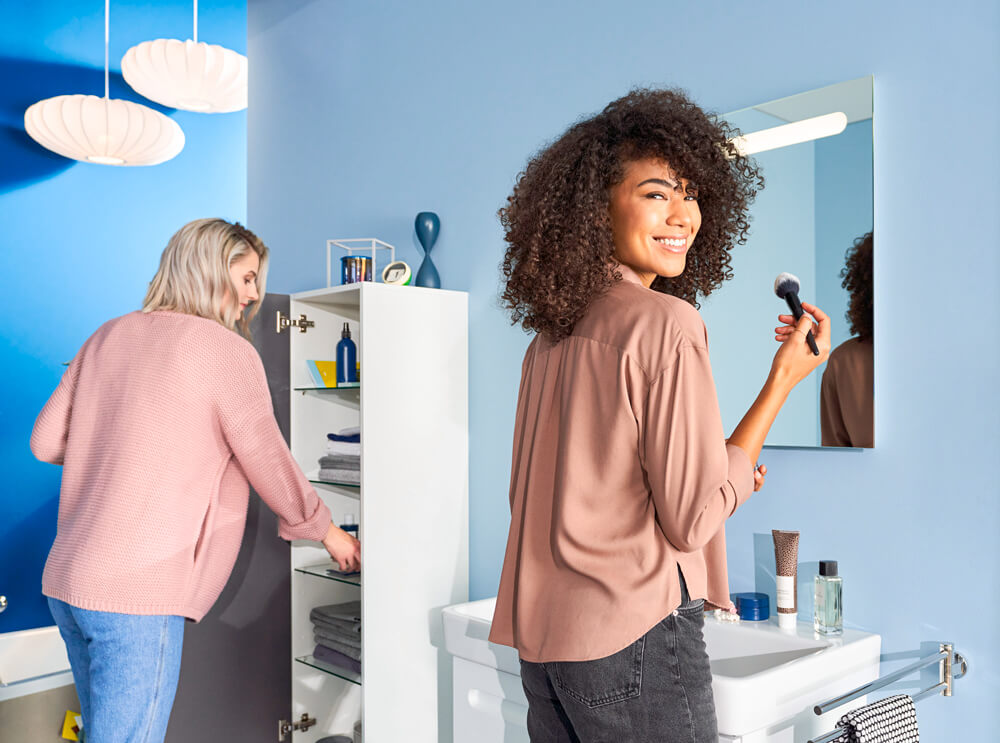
pixel 795 360
pixel 343 548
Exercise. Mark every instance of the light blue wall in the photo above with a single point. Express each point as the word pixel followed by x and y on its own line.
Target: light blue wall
pixel 364 113
pixel 80 242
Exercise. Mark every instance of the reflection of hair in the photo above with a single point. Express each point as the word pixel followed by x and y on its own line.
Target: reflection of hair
pixel 857 279
pixel 194 273
pixel 557 224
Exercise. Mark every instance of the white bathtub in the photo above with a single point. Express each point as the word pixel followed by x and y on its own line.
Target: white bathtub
pixel 32 660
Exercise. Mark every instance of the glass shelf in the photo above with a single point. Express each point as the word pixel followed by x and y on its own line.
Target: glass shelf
pixel 353 488
pixel 354 678
pixel 341 388
pixel 320 571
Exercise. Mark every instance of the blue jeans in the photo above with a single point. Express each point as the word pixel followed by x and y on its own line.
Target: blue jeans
pixel 657 690
pixel 125 667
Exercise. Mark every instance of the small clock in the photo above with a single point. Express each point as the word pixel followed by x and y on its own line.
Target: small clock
pixel 397 273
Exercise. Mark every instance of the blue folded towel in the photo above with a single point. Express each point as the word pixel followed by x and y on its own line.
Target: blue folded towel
pixel 353 438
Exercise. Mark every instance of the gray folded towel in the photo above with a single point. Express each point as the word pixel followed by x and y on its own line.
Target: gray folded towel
pixel 340 647
pixel 340 462
pixel 328 632
pixel 347 627
pixel 328 655
pixel 349 611
pixel 889 720
pixel 351 476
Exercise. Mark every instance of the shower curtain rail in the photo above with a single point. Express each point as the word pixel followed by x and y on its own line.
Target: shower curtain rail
pixel 946 657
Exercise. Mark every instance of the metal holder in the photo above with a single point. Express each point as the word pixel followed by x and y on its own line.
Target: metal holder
pixel 357 245
pixel 946 656
pixel 285 728
pixel 284 322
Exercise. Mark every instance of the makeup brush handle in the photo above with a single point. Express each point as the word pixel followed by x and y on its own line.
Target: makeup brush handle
pixel 812 343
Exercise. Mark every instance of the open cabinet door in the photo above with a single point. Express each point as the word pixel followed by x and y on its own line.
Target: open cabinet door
pixel 235 675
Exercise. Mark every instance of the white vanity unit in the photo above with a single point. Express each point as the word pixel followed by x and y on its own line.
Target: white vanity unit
pixel 765 680
pixel 411 504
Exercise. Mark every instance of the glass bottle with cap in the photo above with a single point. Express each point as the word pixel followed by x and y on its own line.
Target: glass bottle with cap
pixel 828 612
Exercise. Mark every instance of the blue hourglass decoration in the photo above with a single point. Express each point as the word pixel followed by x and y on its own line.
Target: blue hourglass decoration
pixel 428 226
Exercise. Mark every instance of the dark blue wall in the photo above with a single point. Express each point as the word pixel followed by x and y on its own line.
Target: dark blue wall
pixel 79 242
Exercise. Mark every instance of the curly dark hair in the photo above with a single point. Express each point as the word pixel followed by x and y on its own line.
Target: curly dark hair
pixel 857 279
pixel 557 224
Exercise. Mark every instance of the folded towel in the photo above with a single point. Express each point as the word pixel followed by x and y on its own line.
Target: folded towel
pixel 327 632
pixel 346 627
pixel 340 462
pixel 349 476
pixel 349 650
pixel 349 431
pixel 334 658
pixel 889 720
pixel 349 611
pixel 354 437
pixel 343 447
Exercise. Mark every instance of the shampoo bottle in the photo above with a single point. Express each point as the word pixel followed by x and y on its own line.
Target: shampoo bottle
pixel 347 357
pixel 829 615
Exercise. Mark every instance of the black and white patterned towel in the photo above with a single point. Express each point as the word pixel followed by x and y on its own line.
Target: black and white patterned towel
pixel 889 720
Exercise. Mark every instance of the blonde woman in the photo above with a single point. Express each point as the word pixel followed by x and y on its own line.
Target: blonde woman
pixel 160 422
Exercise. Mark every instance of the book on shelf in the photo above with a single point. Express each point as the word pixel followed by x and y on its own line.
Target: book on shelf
pixel 324 374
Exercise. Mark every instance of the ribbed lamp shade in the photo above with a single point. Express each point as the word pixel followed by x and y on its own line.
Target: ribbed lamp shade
pixel 108 131
pixel 190 75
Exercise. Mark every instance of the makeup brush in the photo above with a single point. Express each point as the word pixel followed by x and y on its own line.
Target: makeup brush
pixel 786 286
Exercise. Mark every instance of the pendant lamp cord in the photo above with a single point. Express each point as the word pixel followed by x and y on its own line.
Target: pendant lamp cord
pixel 195 21
pixel 107 36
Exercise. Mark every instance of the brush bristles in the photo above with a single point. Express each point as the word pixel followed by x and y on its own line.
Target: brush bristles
pixel 785 283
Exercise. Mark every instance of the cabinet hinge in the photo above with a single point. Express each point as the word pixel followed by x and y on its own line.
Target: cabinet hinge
pixel 285 727
pixel 285 322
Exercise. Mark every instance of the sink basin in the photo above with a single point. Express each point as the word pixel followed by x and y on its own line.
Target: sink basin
pixel 765 679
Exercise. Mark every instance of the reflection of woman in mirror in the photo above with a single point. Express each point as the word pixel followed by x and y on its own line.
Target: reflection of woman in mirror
pixel 622 477
pixel 846 415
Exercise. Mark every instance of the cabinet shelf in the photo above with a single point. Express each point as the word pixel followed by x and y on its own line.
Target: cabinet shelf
pixel 343 673
pixel 346 387
pixel 353 488
pixel 320 571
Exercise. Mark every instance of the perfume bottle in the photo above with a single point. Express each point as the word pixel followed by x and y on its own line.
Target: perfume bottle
pixel 829 614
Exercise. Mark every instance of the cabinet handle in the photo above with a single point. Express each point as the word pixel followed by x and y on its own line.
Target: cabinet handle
pixel 3 603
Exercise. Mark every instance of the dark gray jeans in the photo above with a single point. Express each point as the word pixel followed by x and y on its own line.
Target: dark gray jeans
pixel 658 689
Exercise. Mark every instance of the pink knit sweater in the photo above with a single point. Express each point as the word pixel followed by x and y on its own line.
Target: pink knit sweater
pixel 160 422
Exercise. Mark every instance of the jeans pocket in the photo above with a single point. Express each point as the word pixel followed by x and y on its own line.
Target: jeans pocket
pixel 604 681
pixel 692 608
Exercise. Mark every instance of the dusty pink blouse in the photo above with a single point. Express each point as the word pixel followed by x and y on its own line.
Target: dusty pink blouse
pixel 620 474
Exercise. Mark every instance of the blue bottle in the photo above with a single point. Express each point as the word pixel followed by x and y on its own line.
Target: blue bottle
pixel 347 357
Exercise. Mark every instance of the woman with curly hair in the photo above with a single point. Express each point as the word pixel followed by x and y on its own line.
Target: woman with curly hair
pixel 848 386
pixel 622 478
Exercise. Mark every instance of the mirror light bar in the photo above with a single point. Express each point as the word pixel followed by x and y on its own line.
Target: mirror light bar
pixel 788 134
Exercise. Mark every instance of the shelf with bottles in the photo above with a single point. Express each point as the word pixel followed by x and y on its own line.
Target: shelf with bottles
pixel 343 673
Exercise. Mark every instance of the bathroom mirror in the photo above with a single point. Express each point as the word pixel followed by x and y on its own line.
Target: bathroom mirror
pixel 815 207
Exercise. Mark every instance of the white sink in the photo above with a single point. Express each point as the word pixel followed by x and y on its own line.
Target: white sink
pixel 765 680
pixel 29 654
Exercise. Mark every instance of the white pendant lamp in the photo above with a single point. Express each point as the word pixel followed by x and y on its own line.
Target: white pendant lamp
pixel 190 75
pixel 107 131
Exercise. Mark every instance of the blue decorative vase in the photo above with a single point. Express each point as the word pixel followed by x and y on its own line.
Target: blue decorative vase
pixel 428 226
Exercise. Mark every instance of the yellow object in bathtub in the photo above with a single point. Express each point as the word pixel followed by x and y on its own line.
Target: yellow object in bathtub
pixel 72 725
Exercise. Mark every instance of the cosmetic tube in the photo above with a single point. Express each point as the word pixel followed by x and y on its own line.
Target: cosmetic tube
pixel 786 559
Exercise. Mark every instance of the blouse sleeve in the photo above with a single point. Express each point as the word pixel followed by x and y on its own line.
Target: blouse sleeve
pixel 697 481
pixel 247 419
pixel 51 429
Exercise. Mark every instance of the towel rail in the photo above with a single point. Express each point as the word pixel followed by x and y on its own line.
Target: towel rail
pixel 946 657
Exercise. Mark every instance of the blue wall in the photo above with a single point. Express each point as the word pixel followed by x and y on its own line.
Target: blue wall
pixel 80 242
pixel 365 113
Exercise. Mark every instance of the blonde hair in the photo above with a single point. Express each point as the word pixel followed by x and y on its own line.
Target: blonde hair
pixel 194 273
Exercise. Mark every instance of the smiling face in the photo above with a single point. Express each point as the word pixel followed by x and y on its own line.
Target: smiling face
pixel 243 272
pixel 654 219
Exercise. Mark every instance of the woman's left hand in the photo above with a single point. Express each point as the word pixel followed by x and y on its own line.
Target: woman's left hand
pixel 758 477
